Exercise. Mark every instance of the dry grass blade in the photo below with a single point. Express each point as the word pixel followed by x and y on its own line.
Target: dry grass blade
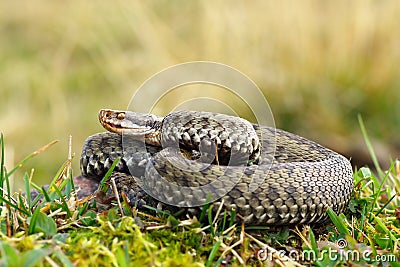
pixel 33 154
pixel 116 193
pixel 284 260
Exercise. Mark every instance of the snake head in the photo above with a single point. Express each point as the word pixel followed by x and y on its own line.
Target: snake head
pixel 128 122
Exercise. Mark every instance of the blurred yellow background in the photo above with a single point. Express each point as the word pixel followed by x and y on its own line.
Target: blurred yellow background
pixel 318 63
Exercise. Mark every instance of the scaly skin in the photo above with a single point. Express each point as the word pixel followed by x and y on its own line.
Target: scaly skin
pixel 292 180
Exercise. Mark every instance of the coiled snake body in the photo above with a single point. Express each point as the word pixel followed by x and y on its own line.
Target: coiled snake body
pixel 269 176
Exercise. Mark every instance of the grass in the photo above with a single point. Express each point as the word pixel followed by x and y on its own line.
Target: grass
pixel 319 65
pixel 62 230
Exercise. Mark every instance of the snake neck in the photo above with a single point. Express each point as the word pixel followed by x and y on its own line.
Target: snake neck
pixel 154 138
pixel 191 130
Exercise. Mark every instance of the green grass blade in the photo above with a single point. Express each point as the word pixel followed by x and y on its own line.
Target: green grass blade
pixel 338 222
pixel 232 219
pixel 386 204
pixel 2 167
pixel 369 146
pixel 8 202
pixel 203 212
pixel 7 184
pixel 32 258
pixel 32 222
pixel 4 176
pixel 9 254
pixel 210 221
pixel 57 176
pixel 314 246
pixel 45 194
pixel 22 205
pixel 63 202
pixel 27 190
pixel 103 187
pixel 122 255
pixel 36 199
pixel 224 221
pixel 378 192
pixel 387 231
pixel 213 253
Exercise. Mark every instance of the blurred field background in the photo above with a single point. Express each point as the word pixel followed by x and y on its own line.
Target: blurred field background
pixel 318 63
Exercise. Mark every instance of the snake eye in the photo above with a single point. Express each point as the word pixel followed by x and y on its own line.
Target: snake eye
pixel 121 116
pixel 108 115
